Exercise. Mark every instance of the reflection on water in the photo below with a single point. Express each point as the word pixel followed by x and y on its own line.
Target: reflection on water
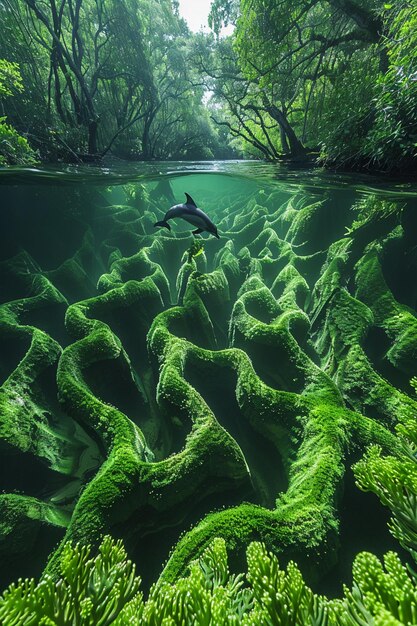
pixel 113 173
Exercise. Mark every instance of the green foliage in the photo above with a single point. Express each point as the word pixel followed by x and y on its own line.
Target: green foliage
pixel 104 591
pixel 281 597
pixel 222 13
pixel 382 594
pixel 394 481
pixel 371 209
pixel 333 77
pixel 380 129
pixel 336 76
pixel 392 140
pixel 105 76
pixel 344 115
pixel 14 149
pixel 10 79
pixel 91 591
pixel 209 595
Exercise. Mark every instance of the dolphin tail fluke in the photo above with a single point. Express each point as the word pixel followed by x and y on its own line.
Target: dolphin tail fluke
pixel 163 224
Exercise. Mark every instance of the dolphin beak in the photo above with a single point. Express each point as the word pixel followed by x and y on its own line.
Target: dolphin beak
pixel 216 235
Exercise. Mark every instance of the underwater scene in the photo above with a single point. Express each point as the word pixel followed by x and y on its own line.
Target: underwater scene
pixel 202 430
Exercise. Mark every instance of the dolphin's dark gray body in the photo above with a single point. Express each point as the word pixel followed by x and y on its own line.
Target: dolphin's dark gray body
pixel 191 214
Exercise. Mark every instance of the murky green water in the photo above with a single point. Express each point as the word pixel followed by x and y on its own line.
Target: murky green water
pixel 145 386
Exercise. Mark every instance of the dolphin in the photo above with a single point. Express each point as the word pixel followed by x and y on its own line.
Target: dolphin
pixel 191 214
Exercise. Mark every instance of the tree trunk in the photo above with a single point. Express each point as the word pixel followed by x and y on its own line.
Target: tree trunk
pixel 284 143
pixel 145 144
pixel 366 19
pixel 146 147
pixel 92 137
pixel 295 145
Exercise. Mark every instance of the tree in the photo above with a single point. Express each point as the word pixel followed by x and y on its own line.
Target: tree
pixel 104 76
pixel 288 57
pixel 391 141
pixel 82 40
pixel 14 149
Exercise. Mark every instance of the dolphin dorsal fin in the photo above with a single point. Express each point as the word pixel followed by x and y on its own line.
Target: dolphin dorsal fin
pixel 190 200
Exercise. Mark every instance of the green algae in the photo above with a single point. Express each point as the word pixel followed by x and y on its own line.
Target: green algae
pixel 174 392
pixel 103 589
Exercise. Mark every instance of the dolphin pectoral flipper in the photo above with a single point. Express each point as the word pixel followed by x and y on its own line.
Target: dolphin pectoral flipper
pixel 197 231
pixel 163 224
pixel 190 200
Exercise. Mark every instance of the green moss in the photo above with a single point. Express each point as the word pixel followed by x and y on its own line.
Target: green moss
pixel 398 321
pixel 211 355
